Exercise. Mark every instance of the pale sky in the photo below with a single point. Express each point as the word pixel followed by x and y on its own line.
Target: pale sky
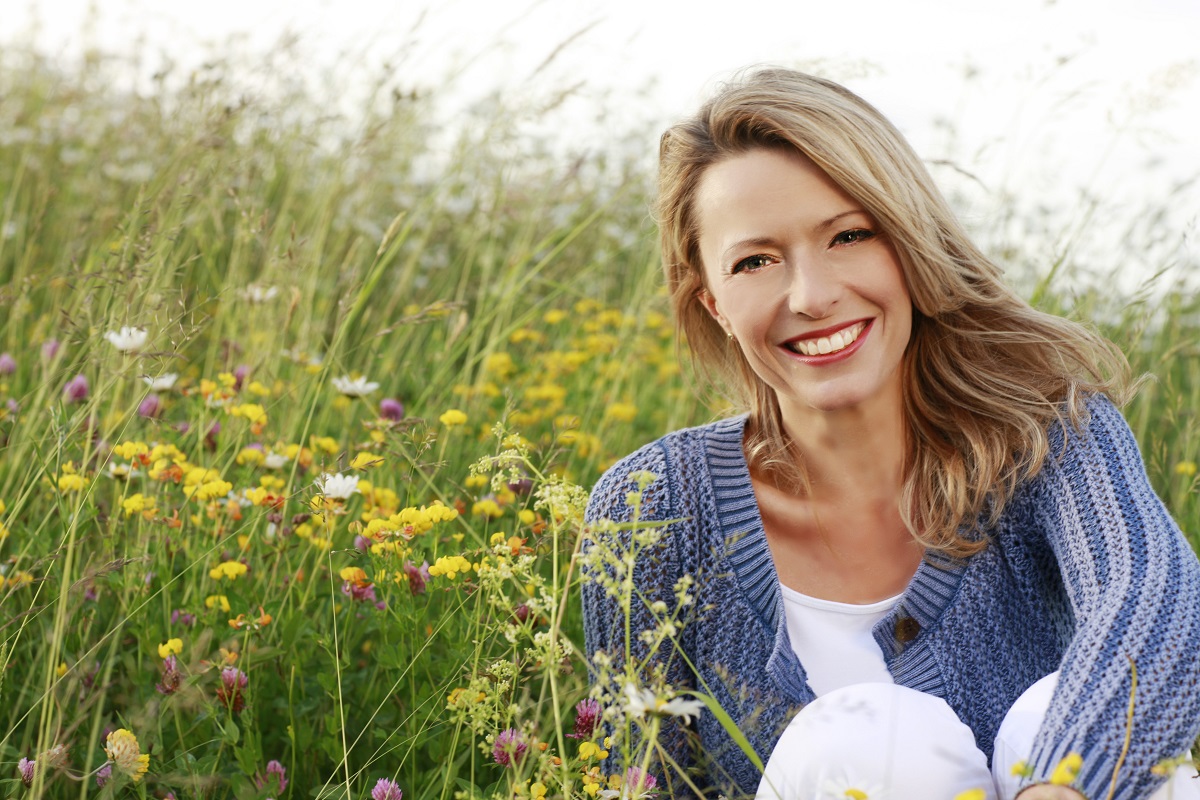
pixel 1067 94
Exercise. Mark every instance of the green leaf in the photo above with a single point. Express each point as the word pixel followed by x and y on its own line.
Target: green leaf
pixel 732 729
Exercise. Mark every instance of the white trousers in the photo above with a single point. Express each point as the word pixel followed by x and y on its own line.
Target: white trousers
pixel 885 742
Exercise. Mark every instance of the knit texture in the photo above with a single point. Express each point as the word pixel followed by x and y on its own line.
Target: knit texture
pixel 1085 572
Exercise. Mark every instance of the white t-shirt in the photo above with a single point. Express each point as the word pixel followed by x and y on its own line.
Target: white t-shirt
pixel 833 640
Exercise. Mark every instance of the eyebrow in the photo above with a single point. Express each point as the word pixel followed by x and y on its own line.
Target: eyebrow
pixel 765 241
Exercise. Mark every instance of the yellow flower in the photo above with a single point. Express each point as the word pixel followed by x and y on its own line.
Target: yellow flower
pixel 252 456
pixel 209 491
pixel 450 566
pixel 366 460
pixel 137 504
pixel 487 508
pixel 590 750
pixel 1064 774
pixel 61 670
pixel 354 575
pixel 453 417
pixel 123 751
pixel 1186 468
pixel 621 412
pixel 253 412
pixel 130 450
pixel 537 791
pixel 217 600
pixel 227 569
pixel 170 647
pixel 71 483
pixel 554 316
pixel 971 794
pixel 258 389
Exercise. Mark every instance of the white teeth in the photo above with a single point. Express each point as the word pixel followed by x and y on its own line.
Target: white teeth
pixel 829 344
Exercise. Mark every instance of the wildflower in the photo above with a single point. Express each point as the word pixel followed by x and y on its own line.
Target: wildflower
pixel 621 412
pixel 1064 774
pixel 971 794
pixel 391 409
pixel 25 768
pixel 76 390
pixel 276 774
pixel 181 617
pixel 644 701
pixel 450 566
pixel 590 750
pixel 487 507
pixel 337 487
pixel 453 417
pixel 127 339
pixel 417 577
pixel 170 647
pixel 71 483
pixel 354 387
pixel 640 783
pixel 587 717
pixel 254 413
pixel 209 490
pixel 123 752
pixel 103 774
pixel 258 294
pixel 217 601
pixel 386 790
pixel 170 674
pixel 1186 469
pixel 8 364
pixel 227 569
pixel 509 747
pixel 366 460
pixel 233 681
pixel 162 383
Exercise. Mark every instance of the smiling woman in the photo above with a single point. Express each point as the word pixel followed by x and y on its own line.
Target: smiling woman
pixel 927 558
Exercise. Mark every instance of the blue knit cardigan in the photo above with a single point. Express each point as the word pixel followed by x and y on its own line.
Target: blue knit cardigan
pixel 1085 572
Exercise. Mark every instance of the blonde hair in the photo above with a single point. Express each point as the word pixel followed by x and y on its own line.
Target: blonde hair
pixel 984 374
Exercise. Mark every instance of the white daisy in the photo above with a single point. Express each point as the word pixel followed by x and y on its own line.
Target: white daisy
pixel 162 383
pixel 354 387
pixel 337 487
pixel 259 294
pixel 128 339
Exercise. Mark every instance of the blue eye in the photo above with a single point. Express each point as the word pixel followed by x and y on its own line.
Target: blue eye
pixel 852 236
pixel 752 263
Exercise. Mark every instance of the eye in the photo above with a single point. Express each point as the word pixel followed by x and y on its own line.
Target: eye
pixel 852 236
pixel 751 264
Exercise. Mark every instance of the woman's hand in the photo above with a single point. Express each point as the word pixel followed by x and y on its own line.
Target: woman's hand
pixel 1045 791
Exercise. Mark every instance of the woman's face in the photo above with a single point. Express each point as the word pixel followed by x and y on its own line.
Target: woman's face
pixel 800 275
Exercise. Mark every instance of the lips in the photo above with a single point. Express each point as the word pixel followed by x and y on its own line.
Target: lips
pixel 830 341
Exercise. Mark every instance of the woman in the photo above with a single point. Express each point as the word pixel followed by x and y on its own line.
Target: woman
pixel 929 545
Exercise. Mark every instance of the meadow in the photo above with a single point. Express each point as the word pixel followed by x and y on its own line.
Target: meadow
pixel 297 421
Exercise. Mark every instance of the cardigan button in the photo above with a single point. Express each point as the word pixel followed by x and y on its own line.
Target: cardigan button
pixel 907 629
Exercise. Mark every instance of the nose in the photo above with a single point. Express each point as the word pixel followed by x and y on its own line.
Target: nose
pixel 813 289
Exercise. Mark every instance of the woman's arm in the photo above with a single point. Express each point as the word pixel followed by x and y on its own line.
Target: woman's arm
pixel 627 612
pixel 1134 585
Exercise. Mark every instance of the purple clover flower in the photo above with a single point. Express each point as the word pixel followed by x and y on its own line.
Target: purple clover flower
pixel 417 576
pixel 50 349
pixel 151 407
pixel 639 783
pixel 170 676
pixel 587 717
pixel 103 774
pixel 276 774
pixel 76 390
pixel 386 789
pixel 25 768
pixel 391 409
pixel 509 747
pixel 230 693
pixel 8 364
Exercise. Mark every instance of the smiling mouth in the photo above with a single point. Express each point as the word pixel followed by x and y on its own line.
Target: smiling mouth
pixel 827 345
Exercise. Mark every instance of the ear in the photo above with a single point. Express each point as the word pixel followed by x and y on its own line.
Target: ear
pixel 710 305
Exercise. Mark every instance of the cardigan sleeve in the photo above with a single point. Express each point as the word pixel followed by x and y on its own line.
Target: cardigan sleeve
pixel 615 617
pixel 1134 586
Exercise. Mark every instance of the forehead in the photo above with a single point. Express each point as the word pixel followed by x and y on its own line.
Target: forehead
pixel 761 193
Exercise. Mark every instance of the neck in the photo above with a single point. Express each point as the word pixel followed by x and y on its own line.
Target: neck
pixel 853 455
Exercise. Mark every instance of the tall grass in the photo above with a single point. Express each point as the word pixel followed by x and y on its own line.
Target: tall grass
pixel 268 253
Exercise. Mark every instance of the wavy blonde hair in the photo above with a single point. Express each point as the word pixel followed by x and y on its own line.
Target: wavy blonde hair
pixel 984 374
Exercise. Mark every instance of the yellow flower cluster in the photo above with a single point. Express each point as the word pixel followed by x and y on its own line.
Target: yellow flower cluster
pixel 170 647
pixel 123 751
pixel 227 569
pixel 411 521
pixel 450 566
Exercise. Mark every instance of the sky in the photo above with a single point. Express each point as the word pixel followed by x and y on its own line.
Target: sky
pixel 1046 99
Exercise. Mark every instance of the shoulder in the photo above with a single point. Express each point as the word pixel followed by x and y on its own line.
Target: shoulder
pixel 663 468
pixel 1102 439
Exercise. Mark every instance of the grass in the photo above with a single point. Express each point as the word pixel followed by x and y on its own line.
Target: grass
pixel 267 253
